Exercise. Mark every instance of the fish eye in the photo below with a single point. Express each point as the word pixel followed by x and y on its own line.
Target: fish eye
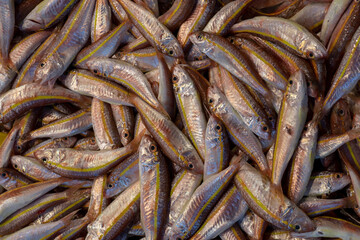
pixel 291 82
pixel 270 118
pixel 92 141
pixel 105 74
pixel 218 127
pixel 110 185
pixel 153 148
pixel 191 166
pixel 200 37
pixel 95 71
pixel 231 40
pixel 3 174
pixel 311 55
pixel 125 134
pixel 171 52
pixel 265 128
pixel 197 59
pixel 15 166
pixel 297 227
pixel 44 159
pixel 211 100
pixel 341 112
pixel 175 79
pixel 338 176
pixel 42 64
pixel 65 138
pixel 18 147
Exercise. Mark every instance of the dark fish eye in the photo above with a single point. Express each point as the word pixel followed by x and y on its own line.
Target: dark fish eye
pixel 125 134
pixel 211 100
pixel 153 148
pixel 18 147
pixel 311 55
pixel 65 138
pixel 200 37
pixel 44 159
pixel 42 64
pixel 15 166
pixel 3 174
pixel 297 227
pixel 110 186
pixel 291 82
pixel 341 112
pixel 95 71
pixel 174 79
pixel 191 166
pixel 265 128
pixel 171 52
pixel 338 176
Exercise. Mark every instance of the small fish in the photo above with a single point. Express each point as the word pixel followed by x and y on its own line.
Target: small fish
pixel 47 14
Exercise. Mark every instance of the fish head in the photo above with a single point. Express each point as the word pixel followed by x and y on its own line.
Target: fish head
pixel 301 222
pixel 312 49
pixel 100 66
pixel 32 22
pixel 192 161
pixel 149 151
pixel 296 89
pixel 171 47
pixel 341 115
pixel 199 39
pixel 46 156
pixel 215 130
pixel 125 136
pixel 263 129
pixel 48 69
pixel 4 176
pixel 215 100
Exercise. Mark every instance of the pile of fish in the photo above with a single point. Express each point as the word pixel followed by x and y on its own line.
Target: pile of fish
pixel 185 119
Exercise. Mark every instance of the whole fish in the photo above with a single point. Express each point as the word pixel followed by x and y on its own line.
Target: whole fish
pixel 18 101
pixel 46 14
pixel 151 28
pixel 155 188
pixel 346 77
pixel 174 144
pixel 17 198
pixel 116 217
pixel 42 231
pixel 217 149
pixel 291 35
pixel 125 74
pixel 71 39
pixel 238 131
pixel 228 56
pixel 291 121
pixel 190 107
pixel 10 179
pixel 267 200
pixel 200 204
pixel 84 164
